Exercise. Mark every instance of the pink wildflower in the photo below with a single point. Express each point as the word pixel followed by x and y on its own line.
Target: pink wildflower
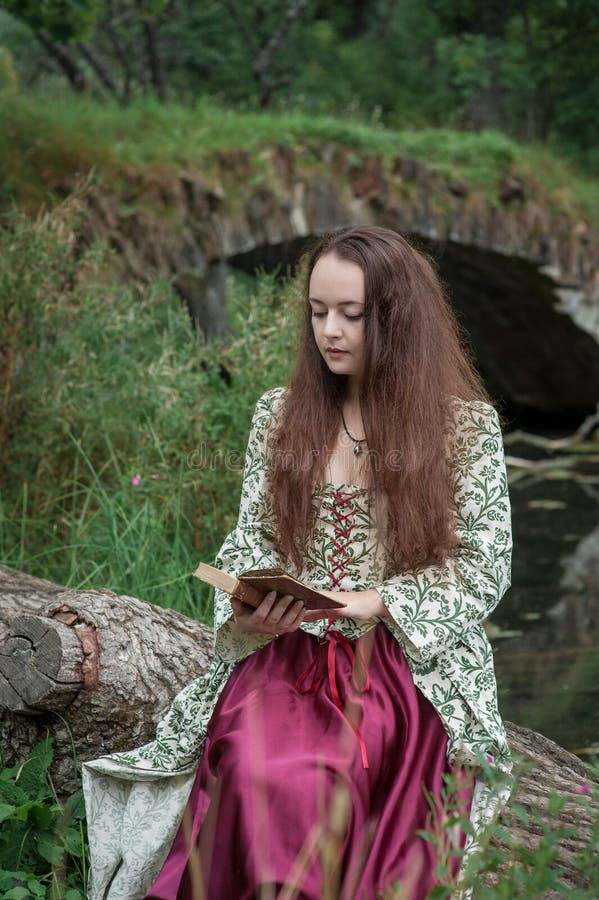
pixel 490 758
pixel 585 789
pixel 136 480
pixel 155 474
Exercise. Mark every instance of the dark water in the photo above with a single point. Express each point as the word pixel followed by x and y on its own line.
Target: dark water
pixel 548 668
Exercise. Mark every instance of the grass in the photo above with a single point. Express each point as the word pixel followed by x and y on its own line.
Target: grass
pixel 45 139
pixel 123 446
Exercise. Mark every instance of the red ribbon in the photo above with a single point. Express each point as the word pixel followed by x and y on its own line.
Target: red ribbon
pixel 315 669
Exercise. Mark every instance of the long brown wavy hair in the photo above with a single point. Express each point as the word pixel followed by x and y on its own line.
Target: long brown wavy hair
pixel 417 360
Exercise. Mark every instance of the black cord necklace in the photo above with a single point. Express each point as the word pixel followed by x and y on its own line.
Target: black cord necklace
pixel 357 441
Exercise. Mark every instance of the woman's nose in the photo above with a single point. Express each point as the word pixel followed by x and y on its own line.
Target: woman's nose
pixel 331 325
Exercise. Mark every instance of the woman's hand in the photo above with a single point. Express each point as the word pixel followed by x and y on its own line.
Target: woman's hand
pixel 273 616
pixel 359 605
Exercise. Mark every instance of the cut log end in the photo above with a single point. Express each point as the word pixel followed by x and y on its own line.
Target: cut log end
pixel 40 665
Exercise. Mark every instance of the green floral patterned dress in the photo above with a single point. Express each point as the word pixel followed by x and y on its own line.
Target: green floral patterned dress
pixel 135 800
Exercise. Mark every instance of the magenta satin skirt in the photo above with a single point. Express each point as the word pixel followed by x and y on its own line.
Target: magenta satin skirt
pixel 313 784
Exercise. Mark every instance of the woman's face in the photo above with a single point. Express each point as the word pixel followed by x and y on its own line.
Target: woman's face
pixel 337 296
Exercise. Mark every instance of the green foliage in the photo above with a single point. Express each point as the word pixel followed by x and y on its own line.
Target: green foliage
pixel 526 68
pixel 505 869
pixel 65 20
pixel 123 446
pixel 8 76
pixel 43 852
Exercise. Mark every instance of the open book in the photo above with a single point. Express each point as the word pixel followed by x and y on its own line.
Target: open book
pixel 250 587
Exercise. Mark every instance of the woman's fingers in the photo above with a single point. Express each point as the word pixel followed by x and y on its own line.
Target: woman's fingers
pixel 251 619
pixel 262 612
pixel 238 607
pixel 273 616
pixel 293 617
pixel 340 612
pixel 279 609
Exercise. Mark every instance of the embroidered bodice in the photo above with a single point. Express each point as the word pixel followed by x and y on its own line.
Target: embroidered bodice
pixel 337 508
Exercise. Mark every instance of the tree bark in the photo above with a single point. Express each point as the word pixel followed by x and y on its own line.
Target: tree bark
pixel 102 71
pixel 97 671
pixel 547 769
pixel 154 59
pixel 20 594
pixel 112 26
pixel 94 670
pixel 265 55
pixel 262 65
pixel 485 107
pixel 65 60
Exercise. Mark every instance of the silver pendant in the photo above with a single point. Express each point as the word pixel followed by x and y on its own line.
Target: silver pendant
pixel 357 449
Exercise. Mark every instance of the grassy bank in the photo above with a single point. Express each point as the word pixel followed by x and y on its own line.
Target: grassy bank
pixel 44 139
pixel 121 444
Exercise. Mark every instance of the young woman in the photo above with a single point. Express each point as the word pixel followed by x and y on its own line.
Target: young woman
pixel 304 763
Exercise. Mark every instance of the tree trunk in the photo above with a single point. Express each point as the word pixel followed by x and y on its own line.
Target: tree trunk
pixel 262 65
pixel 65 60
pixel 100 69
pixel 547 769
pixel 154 59
pixel 485 107
pixel 97 671
pixel 20 594
pixel 94 670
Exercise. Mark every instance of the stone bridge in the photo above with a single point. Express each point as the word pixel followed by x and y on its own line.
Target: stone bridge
pixel 521 268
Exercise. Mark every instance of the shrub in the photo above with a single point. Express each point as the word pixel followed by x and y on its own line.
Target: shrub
pixel 43 850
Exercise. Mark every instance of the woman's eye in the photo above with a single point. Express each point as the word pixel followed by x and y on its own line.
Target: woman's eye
pixel 321 315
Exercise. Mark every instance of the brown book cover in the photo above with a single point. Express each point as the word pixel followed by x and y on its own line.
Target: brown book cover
pixel 251 586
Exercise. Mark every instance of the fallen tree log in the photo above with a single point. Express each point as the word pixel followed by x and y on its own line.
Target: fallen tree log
pixel 97 671
pixel 94 670
pixel 544 772
pixel 21 593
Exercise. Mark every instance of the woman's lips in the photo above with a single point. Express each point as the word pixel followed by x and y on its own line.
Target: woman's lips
pixel 334 353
